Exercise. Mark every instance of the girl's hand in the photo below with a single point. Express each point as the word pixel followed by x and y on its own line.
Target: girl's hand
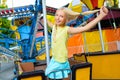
pixel 103 11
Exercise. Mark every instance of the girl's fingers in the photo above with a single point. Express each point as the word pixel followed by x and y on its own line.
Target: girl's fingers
pixel 104 10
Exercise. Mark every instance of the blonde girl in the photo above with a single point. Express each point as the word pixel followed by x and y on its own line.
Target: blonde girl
pixel 60 34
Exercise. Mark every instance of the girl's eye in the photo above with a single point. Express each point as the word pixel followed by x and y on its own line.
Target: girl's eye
pixel 61 16
pixel 56 14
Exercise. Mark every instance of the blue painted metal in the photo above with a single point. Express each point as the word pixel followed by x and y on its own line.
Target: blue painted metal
pixel 80 20
pixel 26 32
pixel 7 52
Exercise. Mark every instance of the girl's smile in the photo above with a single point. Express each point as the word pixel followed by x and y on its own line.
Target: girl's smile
pixel 60 18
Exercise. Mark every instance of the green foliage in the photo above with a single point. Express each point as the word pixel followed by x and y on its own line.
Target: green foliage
pixel 3 7
pixel 5 24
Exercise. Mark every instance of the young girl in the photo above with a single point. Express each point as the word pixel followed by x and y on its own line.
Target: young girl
pixel 60 34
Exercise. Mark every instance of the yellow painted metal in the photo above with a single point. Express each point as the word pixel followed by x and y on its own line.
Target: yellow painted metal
pixel 83 73
pixel 88 4
pixel 43 56
pixel 93 43
pixel 77 7
pixel 105 66
pixel 14 28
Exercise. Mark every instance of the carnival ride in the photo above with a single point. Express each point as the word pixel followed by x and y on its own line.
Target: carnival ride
pixel 27 33
pixel 27 20
pixel 29 46
pixel 25 47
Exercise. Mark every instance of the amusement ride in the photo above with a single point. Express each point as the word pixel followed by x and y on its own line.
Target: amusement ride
pixel 28 41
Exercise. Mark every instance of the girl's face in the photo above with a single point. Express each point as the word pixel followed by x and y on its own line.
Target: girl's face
pixel 60 18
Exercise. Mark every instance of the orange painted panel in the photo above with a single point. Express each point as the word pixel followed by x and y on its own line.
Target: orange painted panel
pixel 75 40
pixel 112 46
pixel 74 50
pixel 112 35
pixel 75 45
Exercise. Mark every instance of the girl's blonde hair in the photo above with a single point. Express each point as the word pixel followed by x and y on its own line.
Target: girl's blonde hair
pixel 71 15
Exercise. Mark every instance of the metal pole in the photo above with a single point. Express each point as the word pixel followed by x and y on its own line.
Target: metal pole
pixel 34 37
pixel 101 37
pixel 45 31
pixel 85 43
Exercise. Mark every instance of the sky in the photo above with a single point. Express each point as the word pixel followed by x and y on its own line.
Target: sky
pixel 52 3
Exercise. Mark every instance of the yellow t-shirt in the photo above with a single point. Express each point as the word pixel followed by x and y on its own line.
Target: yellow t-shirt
pixel 59 48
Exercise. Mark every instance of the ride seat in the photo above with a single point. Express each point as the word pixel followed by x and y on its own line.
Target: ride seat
pixel 29 72
pixel 27 66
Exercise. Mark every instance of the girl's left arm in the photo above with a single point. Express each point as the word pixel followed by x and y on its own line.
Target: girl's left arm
pixel 103 13
pixel 89 12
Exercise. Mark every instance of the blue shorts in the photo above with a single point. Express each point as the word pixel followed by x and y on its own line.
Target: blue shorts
pixel 60 69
